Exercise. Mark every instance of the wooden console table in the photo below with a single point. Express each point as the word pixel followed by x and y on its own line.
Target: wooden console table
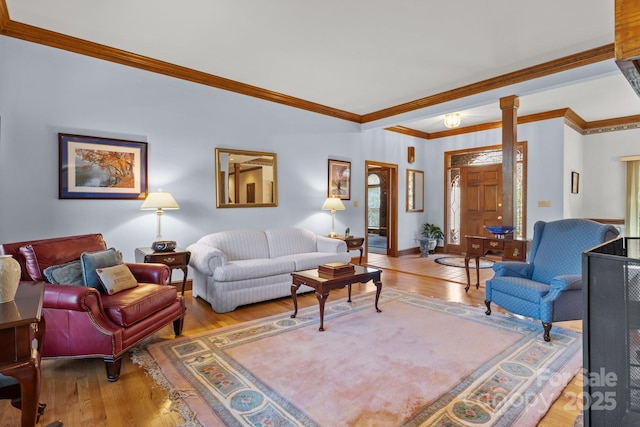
pixel 21 332
pixel 478 246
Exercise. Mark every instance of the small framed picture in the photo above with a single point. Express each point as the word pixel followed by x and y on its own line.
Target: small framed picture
pixel 575 182
pixel 101 168
pixel 339 184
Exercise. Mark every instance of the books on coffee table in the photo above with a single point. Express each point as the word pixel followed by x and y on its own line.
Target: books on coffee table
pixel 336 268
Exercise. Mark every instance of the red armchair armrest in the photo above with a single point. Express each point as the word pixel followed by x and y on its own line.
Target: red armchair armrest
pixel 150 273
pixel 80 299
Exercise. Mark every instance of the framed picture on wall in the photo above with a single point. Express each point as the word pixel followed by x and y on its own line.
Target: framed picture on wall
pixel 339 184
pixel 575 181
pixel 101 168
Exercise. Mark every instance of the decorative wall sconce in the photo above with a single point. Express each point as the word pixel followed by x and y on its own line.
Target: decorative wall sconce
pixel 411 154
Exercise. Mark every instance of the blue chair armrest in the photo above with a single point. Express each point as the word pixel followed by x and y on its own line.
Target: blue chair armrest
pixel 566 282
pixel 512 269
pixel 560 284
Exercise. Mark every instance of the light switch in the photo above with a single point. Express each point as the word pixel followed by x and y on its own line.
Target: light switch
pixel 355 203
pixel 544 203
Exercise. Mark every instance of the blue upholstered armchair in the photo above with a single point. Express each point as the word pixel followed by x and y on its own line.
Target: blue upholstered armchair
pixel 549 286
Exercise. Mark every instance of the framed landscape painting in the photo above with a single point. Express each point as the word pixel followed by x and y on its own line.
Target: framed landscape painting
pixel 102 168
pixel 339 179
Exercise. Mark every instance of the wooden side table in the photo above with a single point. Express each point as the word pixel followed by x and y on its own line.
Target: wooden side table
pixel 176 260
pixel 353 243
pixel 21 324
pixel 477 246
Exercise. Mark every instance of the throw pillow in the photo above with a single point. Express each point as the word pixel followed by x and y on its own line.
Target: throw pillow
pixel 94 260
pixel 116 278
pixel 65 274
pixel 44 253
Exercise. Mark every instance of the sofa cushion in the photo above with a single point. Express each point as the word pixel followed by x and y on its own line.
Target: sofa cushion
pixel 130 306
pixel 311 260
pixel 94 260
pixel 42 254
pixel 252 269
pixel 69 273
pixel 239 244
pixel 116 278
pixel 289 240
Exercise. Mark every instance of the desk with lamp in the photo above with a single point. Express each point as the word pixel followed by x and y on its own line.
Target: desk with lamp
pixel 334 204
pixel 164 251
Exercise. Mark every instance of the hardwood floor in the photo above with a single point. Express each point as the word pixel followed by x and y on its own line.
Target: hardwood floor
pixel 78 393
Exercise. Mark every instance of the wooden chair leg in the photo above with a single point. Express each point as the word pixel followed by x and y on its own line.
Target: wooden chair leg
pixel 488 304
pixel 547 329
pixel 113 368
pixel 177 326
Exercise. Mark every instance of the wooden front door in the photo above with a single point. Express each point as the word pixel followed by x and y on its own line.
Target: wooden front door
pixel 481 202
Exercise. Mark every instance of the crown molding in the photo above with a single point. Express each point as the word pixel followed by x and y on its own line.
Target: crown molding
pixel 72 44
pixel 4 14
pixel 408 131
pixel 612 125
pixel 556 66
pixel 571 119
pixel 95 50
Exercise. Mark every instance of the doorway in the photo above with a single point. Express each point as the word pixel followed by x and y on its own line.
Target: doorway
pixel 482 198
pixel 381 208
pixel 473 197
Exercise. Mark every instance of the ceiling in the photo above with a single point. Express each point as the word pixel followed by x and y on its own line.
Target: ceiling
pixel 366 56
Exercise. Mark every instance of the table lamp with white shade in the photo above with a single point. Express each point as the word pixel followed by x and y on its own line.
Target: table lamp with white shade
pixel 160 201
pixel 333 204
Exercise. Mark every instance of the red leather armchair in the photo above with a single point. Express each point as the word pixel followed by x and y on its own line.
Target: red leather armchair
pixel 84 323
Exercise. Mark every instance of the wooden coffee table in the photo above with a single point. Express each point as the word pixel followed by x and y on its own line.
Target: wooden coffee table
pixel 324 284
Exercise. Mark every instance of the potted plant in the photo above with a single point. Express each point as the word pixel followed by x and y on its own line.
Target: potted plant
pixel 432 233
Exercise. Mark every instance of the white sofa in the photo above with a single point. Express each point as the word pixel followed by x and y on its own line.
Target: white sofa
pixel 237 267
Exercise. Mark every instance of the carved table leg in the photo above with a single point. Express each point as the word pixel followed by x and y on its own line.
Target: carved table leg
pixel 349 287
pixel 294 297
pixel 477 272
pixel 378 284
pixel 322 298
pixel 28 375
pixel 466 269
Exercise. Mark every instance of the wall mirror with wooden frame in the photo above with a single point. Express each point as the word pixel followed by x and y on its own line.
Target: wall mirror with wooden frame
pixel 246 179
pixel 415 190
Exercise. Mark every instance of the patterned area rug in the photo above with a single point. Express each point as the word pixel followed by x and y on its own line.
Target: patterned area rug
pixel 458 261
pixel 420 362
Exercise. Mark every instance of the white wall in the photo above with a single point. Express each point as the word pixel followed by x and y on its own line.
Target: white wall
pixel 573 162
pixel 44 91
pixel 605 175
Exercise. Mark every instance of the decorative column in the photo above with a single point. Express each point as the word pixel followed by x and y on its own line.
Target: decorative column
pixel 509 106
